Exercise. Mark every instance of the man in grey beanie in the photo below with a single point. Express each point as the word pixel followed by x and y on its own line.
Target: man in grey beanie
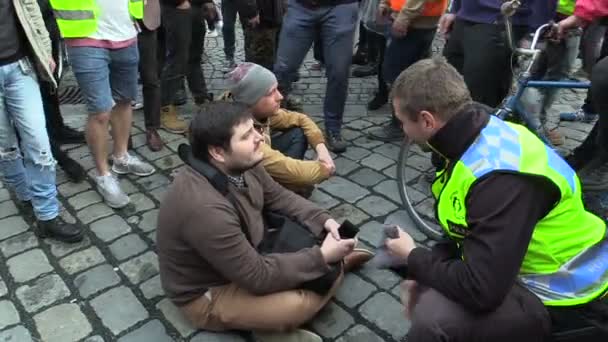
pixel 287 134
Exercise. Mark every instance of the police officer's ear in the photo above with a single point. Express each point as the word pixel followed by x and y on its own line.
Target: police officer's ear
pixel 427 120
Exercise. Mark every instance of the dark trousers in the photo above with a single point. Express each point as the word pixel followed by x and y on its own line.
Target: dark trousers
pixel 480 52
pixel 229 13
pixel 261 45
pixel 291 143
pixel 185 41
pixel 148 70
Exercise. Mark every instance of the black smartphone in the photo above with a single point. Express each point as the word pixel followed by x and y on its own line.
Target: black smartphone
pixel 348 230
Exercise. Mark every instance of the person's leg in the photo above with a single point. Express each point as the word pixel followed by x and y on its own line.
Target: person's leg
pixel 454 50
pixel 195 76
pixel 229 13
pixel 148 71
pixel 521 317
pixel 291 142
pixel 337 32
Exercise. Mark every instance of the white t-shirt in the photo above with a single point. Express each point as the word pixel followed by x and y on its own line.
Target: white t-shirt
pixel 115 22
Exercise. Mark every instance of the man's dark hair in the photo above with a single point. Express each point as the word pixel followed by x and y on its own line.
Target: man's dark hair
pixel 214 126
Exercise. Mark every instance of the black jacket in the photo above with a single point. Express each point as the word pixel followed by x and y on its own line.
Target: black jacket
pixel 271 11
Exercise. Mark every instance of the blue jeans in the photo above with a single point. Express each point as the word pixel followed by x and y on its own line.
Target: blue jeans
pixel 291 142
pixel 301 26
pixel 29 170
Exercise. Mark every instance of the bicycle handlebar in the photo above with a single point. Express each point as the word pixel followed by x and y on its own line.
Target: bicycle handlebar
pixel 508 9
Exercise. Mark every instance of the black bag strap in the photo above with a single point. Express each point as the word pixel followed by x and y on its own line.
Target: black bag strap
pixel 216 178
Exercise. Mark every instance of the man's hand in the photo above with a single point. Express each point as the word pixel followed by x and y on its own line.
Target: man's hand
pixel 324 157
pixel 335 250
pixel 209 11
pixel 400 26
pixel 446 22
pixel 567 24
pixel 255 21
pixel 52 65
pixel 331 226
pixel 184 5
pixel 402 246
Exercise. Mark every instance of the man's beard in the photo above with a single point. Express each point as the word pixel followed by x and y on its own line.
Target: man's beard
pixel 240 169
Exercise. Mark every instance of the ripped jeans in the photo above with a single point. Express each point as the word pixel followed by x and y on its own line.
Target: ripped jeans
pixel 26 164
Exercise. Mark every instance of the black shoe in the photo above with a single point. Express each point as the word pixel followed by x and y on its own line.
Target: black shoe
pixel 68 135
pixel 58 230
pixel 291 103
pixel 386 133
pixel 365 70
pixel 180 97
pixel 379 100
pixel 360 57
pixel 335 143
pixel 75 171
pixel 26 209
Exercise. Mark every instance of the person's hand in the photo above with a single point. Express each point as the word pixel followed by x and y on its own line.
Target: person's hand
pixel 209 11
pixel 255 21
pixel 567 24
pixel 409 293
pixel 400 26
pixel 52 65
pixel 445 23
pixel 402 246
pixel 184 5
pixel 335 250
pixel 324 157
pixel 331 226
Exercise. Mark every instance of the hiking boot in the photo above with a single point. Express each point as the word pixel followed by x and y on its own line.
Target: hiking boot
pixel 68 135
pixel 291 103
pixel 356 259
pixel 59 230
pixel 360 57
pixel 334 141
pixel 111 192
pixel 298 335
pixel 131 164
pixel 579 115
pixel 365 70
pixel 170 121
pixel 386 133
pixel 379 100
pixel 153 140
pixel 76 173
pixel 26 209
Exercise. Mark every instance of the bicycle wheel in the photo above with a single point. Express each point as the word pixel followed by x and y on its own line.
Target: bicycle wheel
pixel 412 169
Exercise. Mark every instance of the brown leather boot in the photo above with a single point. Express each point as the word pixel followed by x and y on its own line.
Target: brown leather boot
pixel 170 121
pixel 153 140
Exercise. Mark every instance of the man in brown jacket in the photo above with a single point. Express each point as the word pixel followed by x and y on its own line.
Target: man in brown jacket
pixel 209 242
pixel 287 134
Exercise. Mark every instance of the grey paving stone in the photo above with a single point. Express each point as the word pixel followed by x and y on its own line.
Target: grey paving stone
pixel 323 200
pixel 154 181
pixel 344 189
pixel 140 268
pixel 8 208
pixel 110 228
pixel 358 124
pixel 152 236
pixel 159 193
pixel 389 188
pixel 8 314
pixel 332 321
pixel 391 171
pixel 12 226
pixel 403 220
pixel 152 288
pixel 145 152
pixel 349 134
pixel 3 288
pixel 127 246
pixel 127 186
pixel 356 153
pixel 28 265
pixel 94 212
pixel 95 338
pixel 62 323
pixel 372 233
pixel 4 195
pixel 68 189
pixel 84 199
pixel 153 331
pixel 118 309
pixel 18 244
pixel 60 249
pixel 95 280
pixel 43 292
pixel 208 336
pixel 384 279
pixel 175 318
pixel 360 333
pixel 149 220
pixel 426 208
pixel 388 150
pixel 347 211
pixel 354 290
pixel 168 162
pixel 139 203
pixel 366 177
pixel 344 166
pixel 82 260
pixel 387 314
pixel 377 162
pixel 376 206
pixel 365 142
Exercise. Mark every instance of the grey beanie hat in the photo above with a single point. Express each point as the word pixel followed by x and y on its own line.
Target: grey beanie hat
pixel 249 82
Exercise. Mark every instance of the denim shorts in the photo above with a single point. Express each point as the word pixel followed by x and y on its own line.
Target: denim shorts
pixel 105 76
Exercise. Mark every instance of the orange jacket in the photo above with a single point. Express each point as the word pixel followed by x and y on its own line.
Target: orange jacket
pixel 433 8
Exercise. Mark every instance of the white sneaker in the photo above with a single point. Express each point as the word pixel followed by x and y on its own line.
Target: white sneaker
pixel 131 164
pixel 298 335
pixel 111 192
pixel 212 33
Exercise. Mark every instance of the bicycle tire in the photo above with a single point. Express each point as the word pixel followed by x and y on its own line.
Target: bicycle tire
pixel 431 230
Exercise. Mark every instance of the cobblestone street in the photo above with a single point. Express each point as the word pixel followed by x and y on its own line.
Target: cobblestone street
pixel 107 288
